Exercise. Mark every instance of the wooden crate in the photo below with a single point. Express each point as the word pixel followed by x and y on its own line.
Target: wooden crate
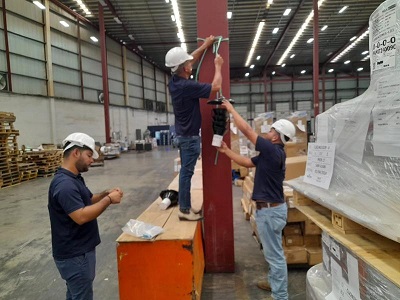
pixel 172 265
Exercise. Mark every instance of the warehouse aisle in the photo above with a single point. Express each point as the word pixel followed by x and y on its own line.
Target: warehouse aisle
pixel 27 271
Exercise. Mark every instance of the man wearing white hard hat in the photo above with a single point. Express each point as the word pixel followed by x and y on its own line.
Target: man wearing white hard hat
pixel 271 213
pixel 73 211
pixel 185 96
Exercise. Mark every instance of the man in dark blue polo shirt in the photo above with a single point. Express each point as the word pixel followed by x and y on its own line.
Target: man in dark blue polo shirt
pixel 271 214
pixel 73 210
pixel 185 95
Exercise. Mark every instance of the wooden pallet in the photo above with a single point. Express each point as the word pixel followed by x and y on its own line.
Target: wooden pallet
pixel 27 171
pixel 339 221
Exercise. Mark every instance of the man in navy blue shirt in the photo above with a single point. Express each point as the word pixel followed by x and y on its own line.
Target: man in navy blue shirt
pixel 73 210
pixel 185 95
pixel 271 213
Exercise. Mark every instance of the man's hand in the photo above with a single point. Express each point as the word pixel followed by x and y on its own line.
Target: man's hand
pixel 209 41
pixel 218 60
pixel 116 195
pixel 227 105
pixel 223 147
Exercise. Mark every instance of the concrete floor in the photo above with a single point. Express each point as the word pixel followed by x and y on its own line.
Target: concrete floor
pixel 27 270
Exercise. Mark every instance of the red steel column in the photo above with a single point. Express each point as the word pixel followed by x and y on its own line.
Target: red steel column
pixel 104 71
pixel 217 179
pixel 9 77
pixel 316 59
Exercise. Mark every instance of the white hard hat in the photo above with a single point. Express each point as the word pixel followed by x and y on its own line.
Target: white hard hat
pixel 175 57
pixel 80 139
pixel 285 128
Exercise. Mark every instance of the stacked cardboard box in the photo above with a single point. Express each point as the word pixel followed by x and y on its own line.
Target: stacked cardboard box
pixel 301 237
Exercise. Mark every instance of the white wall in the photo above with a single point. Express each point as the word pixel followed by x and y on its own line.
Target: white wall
pixel 46 120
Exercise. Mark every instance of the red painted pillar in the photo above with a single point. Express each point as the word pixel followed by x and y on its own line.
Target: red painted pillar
pixel 217 179
pixel 316 59
pixel 104 71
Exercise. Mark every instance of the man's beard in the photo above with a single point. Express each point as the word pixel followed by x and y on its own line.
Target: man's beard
pixel 81 166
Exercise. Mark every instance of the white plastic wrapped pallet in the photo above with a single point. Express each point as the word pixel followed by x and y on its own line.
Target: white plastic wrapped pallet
pixel 366 131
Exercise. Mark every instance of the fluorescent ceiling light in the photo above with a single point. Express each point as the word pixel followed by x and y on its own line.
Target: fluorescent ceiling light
pixel 173 18
pixel 39 4
pixel 310 41
pixel 351 46
pixel 247 74
pixel 252 66
pixel 303 71
pixel 178 21
pixel 63 23
pixel 229 15
pixel 331 70
pixel 140 48
pixel 166 1
pixel 365 58
pixel 365 52
pixel 298 35
pixel 102 3
pixel 131 37
pixel 293 55
pixel 255 41
pixel 117 20
pixel 353 38
pixel 360 69
pixel 347 62
pixel 273 72
pixel 283 65
pixel 287 11
pixel 343 9
pixel 324 27
pixel 276 29
pixel 94 39
pixel 258 57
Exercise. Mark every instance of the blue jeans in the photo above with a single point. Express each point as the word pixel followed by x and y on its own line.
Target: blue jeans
pixel 270 223
pixel 79 273
pixel 189 151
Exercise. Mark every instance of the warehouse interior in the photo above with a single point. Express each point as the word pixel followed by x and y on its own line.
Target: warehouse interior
pixel 98 66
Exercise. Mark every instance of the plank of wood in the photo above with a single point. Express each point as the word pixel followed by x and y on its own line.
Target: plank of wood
pixel 377 251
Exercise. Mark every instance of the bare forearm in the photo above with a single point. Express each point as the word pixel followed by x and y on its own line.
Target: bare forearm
pixel 198 52
pixel 97 197
pixel 239 159
pixel 217 80
pixel 91 212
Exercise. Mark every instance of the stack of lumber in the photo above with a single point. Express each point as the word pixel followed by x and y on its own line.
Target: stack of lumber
pixel 9 172
pixel 47 161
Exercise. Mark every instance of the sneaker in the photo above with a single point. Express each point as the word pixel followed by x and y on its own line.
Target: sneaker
pixel 264 285
pixel 190 216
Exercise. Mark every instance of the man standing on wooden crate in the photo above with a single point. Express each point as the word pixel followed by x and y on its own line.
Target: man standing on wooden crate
pixel 185 95
pixel 271 214
pixel 73 210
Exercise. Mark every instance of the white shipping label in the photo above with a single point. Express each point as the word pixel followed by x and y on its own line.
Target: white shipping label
pixel 383 42
pixel 320 162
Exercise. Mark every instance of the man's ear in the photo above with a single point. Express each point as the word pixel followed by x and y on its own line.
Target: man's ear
pixel 76 152
pixel 276 138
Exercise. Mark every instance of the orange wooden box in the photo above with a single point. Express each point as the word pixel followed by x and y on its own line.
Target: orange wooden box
pixel 169 267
